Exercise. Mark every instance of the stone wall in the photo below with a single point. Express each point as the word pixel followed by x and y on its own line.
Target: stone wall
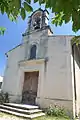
pixel 11 77
pixel 57 76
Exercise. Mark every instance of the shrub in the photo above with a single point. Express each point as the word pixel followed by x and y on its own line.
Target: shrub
pixel 4 98
pixel 56 111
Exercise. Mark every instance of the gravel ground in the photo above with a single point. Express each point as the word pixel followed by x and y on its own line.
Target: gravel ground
pixel 4 116
pixel 9 117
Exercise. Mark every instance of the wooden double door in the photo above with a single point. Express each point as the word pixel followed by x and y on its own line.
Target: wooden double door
pixel 30 87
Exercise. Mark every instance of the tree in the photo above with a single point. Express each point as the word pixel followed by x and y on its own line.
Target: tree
pixel 64 10
pixel 13 9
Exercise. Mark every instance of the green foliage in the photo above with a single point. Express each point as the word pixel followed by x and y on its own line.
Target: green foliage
pixel 23 14
pixel 75 40
pixel 57 111
pixel 2 30
pixel 57 20
pixel 14 8
pixel 4 98
pixel 27 7
pixel 64 10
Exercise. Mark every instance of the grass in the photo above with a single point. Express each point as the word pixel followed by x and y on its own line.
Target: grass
pixel 51 118
pixel 12 117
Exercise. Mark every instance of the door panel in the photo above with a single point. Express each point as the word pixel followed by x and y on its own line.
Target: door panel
pixel 30 87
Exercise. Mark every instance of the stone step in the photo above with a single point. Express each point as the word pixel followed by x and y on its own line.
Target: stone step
pixel 22 115
pixel 33 111
pixel 22 106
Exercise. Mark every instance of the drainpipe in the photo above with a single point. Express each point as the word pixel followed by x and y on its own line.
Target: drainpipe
pixel 75 95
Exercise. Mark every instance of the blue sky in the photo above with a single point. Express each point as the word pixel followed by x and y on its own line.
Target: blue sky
pixel 13 34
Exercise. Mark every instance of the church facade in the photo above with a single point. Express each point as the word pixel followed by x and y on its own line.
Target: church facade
pixel 44 68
